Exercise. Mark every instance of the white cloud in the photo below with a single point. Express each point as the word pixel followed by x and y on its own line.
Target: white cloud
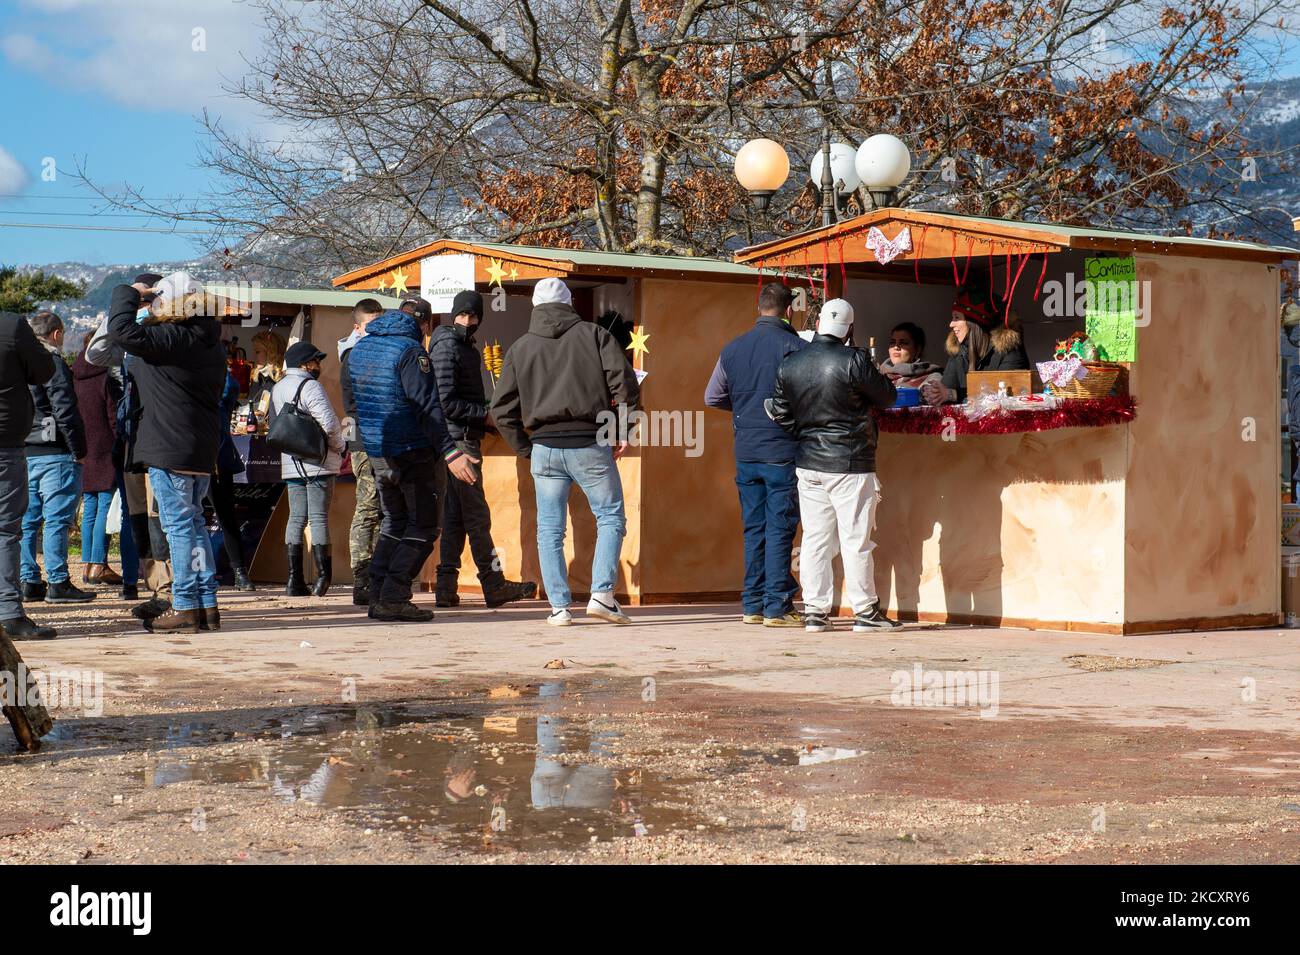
pixel 140 53
pixel 13 177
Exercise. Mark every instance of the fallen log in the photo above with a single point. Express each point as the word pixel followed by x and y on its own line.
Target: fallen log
pixel 21 698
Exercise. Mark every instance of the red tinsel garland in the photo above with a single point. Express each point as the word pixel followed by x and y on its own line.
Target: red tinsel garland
pixel 1073 413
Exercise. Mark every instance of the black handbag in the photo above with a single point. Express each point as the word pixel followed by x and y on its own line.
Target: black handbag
pixel 296 433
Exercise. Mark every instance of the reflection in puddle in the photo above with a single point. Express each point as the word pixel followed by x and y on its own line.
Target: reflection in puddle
pixel 525 783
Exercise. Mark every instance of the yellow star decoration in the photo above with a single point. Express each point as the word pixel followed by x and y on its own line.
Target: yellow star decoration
pixel 495 272
pixel 639 339
pixel 383 284
pixel 514 273
pixel 399 282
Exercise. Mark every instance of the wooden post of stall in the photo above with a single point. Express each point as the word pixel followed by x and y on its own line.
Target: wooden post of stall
pixel 26 714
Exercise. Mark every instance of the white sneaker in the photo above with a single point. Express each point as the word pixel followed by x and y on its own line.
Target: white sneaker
pixel 560 618
pixel 606 608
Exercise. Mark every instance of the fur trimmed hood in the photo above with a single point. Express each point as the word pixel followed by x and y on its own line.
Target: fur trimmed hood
pixel 1004 338
pixel 193 305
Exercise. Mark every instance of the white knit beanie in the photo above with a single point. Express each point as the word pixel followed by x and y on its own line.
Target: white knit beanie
pixel 551 290
pixel 836 318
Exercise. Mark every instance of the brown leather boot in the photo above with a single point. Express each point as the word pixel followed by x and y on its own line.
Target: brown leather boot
pixel 174 621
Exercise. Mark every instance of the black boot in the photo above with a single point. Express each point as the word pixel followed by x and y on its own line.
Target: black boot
pixel 210 618
pixel 23 628
pixel 155 606
pixel 241 580
pixel 361 584
pixel 296 586
pixel 507 591
pixel 66 592
pixel 33 591
pixel 320 553
pixel 404 612
pixel 130 591
pixel 444 592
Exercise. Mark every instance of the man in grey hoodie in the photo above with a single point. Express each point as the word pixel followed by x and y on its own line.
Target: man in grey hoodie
pixel 560 385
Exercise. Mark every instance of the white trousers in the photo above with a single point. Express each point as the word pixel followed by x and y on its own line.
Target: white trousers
pixel 838 513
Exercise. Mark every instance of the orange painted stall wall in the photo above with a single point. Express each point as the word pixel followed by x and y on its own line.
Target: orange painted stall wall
pixel 1204 498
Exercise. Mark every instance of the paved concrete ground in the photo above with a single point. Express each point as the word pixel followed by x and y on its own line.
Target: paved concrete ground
pixel 773 744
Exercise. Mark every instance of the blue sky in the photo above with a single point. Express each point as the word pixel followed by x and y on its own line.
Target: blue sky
pixel 117 85
pixel 120 93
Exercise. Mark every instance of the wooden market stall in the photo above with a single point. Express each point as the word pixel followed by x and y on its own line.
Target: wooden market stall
pixel 1157 516
pixel 322 317
pixel 683 537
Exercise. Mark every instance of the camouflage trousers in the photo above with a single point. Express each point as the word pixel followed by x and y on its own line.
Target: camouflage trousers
pixel 366 517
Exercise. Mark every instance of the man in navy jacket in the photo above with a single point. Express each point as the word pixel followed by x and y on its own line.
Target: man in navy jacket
pixel 745 377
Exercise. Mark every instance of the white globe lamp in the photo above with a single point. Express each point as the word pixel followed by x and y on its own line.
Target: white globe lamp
pixel 844 171
pixel 882 163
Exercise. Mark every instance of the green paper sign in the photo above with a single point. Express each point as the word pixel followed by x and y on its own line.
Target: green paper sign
pixel 1111 317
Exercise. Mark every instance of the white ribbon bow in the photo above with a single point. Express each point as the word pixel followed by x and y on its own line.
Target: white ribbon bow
pixel 887 250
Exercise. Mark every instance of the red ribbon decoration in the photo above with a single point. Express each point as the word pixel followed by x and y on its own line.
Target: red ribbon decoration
pixel 1039 287
pixel 1071 413
pixel 844 275
pixel 1024 260
pixel 920 253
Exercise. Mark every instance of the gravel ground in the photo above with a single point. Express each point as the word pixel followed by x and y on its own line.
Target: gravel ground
pixel 462 746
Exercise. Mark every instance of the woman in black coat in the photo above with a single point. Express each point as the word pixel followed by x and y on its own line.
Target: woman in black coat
pixel 98 475
pixel 983 336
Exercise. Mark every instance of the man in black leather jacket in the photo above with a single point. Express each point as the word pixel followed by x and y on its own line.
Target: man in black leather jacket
pixel 824 396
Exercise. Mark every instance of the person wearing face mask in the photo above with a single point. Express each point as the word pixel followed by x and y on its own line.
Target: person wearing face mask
pixel 310 486
pixel 458 372
pixel 984 336
pixel 823 397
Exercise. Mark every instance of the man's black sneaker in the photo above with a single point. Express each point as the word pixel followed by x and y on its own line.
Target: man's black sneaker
pixel 873 619
pixel 153 607
pixel 66 592
pixel 23 628
pixel 403 612
pixel 816 622
pixel 33 591
pixel 509 590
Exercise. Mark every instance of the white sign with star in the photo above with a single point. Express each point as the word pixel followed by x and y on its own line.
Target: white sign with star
pixel 442 276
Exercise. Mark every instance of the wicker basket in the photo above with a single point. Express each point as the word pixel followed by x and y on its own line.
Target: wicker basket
pixel 1105 378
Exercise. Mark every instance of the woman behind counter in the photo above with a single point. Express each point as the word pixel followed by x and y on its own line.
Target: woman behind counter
pixel 979 341
pixel 904 366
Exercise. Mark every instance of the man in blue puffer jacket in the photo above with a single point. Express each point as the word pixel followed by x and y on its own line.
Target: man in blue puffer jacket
pixel 403 429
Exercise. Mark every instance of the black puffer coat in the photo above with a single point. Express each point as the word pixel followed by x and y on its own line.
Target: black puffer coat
pixel 458 369
pixel 824 396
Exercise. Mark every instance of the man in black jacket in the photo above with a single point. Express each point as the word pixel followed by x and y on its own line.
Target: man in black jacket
pixel 458 369
pixel 56 445
pixel 824 396
pixel 24 362
pixel 556 395
pixel 364 531
pixel 179 375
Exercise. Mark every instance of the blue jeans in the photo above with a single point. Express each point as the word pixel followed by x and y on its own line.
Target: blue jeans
pixel 180 510
pixel 53 491
pixel 126 540
pixel 555 471
pixel 769 511
pixel 94 524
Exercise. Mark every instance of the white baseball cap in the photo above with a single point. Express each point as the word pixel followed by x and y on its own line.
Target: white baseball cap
pixel 836 318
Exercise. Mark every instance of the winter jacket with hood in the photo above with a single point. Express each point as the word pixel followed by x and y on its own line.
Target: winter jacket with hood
pixel 823 396
pixel 397 409
pixel 458 370
pixel 56 426
pixel 558 381
pixel 97 402
pixel 178 367
pixel 24 363
pixel 316 403
pixel 345 388
pixel 1006 354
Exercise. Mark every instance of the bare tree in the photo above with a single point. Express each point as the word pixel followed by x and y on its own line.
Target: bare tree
pixel 613 123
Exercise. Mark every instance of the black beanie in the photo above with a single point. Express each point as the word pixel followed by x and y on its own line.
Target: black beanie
pixel 467 301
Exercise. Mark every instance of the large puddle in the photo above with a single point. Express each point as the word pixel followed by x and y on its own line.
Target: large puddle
pixel 479 782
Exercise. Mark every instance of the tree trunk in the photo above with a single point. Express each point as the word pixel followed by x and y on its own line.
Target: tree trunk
pixel 649 198
pixel 22 706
